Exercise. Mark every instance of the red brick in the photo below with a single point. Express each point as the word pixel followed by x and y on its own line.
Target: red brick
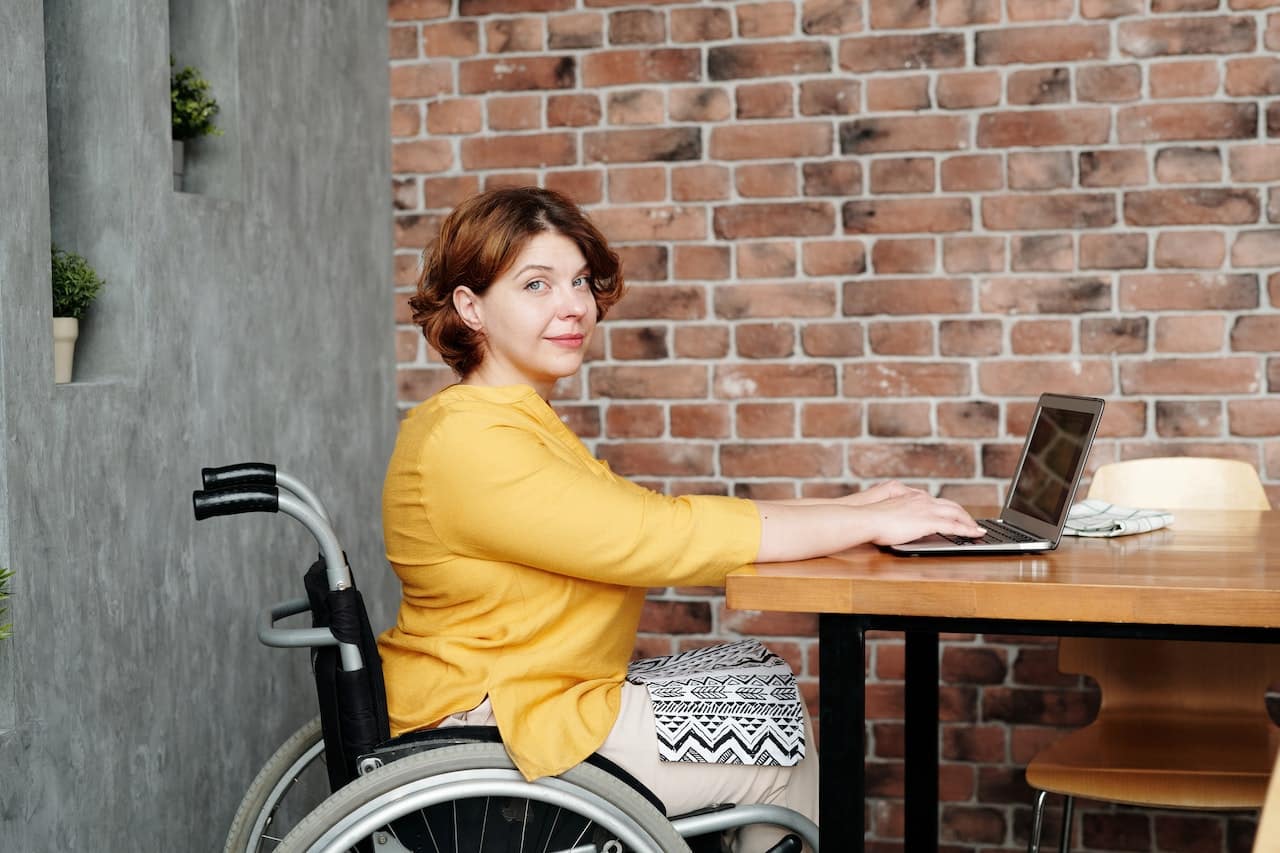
pixel 969 172
pixel 1110 8
pixel 698 104
pixel 898 52
pixel 902 216
pixel 1029 378
pixel 764 420
pixel 476 8
pixel 635 421
pixel 839 340
pixel 690 25
pixel 644 263
pixel 700 183
pixel 1113 335
pixel 405 194
pixel 1254 162
pixel 1190 333
pixel 979 744
pixel 516 74
pixel 421 80
pixel 1191 207
pixel 898 15
pixel 902 175
pixel 651 223
pixel 1109 83
pixel 573 110
pixel 1188 292
pixel 1190 249
pixel 829 97
pixel 514 35
pixel 831 420
pixel 910 255
pixel 1187 35
pixel 1188 418
pixel 780 460
pixel 702 262
pixel 1256 249
pixel 973 254
pixel 582 30
pixel 642 145
pixel 644 382
pixel 969 337
pixel 842 177
pixel 1039 10
pixel 766 181
pixel 907 133
pixel 1189 79
pixel 1254 417
pixel 428 155
pixel 774 59
pixel 413 10
pixel 1064 210
pixel 884 459
pixel 765 340
pixel 766 260
pixel 1042 253
pixel 1038 707
pixel 976 419
pixel 888 94
pixel 417 384
pixel 624 67
pixel 1042 44
pixel 908 296
pixel 454 116
pixel 1253 77
pixel 402 42
pixel 1040 170
pixel 536 150
pixel 701 341
pixel 1188 165
pixel 584 186
pixel 1038 86
pixel 636 106
pixel 1113 251
pixel 753 142
pixel 1113 168
pixel 830 17
pixel 763 20
pixel 1198 375
pixel 637 26
pixel 700 420
pixel 960 13
pixel 406 120
pixel 797 299
pixel 1255 334
pixel 905 379
pixel 1187 121
pixel 1084 126
pixel 658 459
pixel 964 90
pixel 834 258
pixel 775 380
pixel 798 219
pixel 765 100
pixel 913 337
pixel 899 420
pixel 1041 337
pixel 519 113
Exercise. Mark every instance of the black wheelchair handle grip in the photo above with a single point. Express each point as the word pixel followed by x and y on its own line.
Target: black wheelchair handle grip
pixel 243 474
pixel 207 504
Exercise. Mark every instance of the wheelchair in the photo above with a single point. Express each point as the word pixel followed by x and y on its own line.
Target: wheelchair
pixel 341 783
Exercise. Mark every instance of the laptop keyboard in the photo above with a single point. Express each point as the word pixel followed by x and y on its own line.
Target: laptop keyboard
pixel 997 533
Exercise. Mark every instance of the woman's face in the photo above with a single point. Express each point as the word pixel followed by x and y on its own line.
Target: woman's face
pixel 536 317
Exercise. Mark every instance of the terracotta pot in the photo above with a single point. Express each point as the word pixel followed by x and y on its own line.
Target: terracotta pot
pixel 65 332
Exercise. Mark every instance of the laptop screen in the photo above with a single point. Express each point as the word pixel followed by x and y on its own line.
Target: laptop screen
pixel 1044 484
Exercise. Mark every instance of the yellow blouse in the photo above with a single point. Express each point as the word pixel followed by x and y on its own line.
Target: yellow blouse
pixel 524 563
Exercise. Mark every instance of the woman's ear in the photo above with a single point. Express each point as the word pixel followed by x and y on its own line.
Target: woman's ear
pixel 467 304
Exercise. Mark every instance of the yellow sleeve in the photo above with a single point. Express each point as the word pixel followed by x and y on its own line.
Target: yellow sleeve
pixel 498 491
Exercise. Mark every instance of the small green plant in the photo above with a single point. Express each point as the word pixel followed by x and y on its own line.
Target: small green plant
pixel 193 108
pixel 6 629
pixel 75 284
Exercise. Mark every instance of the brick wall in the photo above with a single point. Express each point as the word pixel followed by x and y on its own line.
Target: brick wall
pixel 861 236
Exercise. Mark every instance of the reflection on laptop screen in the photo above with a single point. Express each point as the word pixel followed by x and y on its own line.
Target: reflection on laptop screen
pixel 1042 487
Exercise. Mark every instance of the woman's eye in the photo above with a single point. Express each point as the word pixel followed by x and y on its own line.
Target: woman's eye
pixel 537 284
pixel 582 281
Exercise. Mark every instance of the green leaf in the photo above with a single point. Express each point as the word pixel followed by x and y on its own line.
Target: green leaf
pixel 193 107
pixel 75 284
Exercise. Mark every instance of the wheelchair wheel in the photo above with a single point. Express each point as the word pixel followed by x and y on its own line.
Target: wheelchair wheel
pixel 292 782
pixel 469 798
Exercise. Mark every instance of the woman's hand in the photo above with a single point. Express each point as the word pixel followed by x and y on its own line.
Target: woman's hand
pixel 914 514
pixel 879 492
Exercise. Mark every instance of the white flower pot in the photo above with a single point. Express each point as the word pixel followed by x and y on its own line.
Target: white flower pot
pixel 65 332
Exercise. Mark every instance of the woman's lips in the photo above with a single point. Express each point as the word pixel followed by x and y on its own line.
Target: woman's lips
pixel 572 341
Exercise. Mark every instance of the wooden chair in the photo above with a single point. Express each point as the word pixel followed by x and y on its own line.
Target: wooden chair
pixel 1181 724
pixel 1267 838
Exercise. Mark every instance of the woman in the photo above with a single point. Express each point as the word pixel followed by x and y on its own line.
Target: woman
pixel 524 561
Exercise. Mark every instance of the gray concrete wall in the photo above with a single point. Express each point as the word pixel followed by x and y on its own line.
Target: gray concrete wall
pixel 250 320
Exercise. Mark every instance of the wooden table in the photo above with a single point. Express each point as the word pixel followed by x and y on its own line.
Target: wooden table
pixel 1213 575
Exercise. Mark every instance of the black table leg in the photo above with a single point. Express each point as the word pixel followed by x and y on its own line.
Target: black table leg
pixel 842 713
pixel 921 741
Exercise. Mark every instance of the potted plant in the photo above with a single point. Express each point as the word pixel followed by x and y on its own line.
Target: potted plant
pixel 75 284
pixel 192 112
pixel 5 628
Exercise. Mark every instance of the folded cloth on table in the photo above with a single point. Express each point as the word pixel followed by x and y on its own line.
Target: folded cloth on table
pixel 1099 518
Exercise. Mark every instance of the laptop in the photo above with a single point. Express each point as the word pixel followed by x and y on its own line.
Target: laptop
pixel 1044 484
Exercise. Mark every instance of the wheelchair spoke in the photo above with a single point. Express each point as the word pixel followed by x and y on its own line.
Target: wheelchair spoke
pixel 552 831
pixel 484 824
pixel 524 825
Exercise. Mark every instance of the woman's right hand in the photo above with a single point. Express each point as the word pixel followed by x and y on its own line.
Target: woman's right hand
pixel 913 514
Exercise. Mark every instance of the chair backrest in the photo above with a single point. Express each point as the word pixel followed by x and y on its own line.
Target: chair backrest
pixel 1158 676
pixel 1267 838
pixel 1180 482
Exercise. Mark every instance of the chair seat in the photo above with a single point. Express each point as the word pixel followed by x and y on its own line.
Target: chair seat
pixel 1174 762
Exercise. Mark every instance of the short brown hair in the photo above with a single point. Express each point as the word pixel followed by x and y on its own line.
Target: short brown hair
pixel 479 241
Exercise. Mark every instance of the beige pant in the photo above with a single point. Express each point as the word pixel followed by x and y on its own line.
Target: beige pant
pixel 684 786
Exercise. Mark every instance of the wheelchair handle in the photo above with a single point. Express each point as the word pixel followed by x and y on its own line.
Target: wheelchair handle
pixel 208 504
pixel 263 474
pixel 291 638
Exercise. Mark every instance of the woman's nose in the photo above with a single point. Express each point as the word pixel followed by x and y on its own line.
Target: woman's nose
pixel 574 302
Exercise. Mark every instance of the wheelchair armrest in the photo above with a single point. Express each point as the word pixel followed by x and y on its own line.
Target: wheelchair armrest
pixel 291 638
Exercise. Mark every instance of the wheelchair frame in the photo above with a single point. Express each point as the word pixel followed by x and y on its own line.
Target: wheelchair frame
pixel 397 777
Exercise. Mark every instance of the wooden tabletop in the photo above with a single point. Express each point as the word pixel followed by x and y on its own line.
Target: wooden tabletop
pixel 1218 568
